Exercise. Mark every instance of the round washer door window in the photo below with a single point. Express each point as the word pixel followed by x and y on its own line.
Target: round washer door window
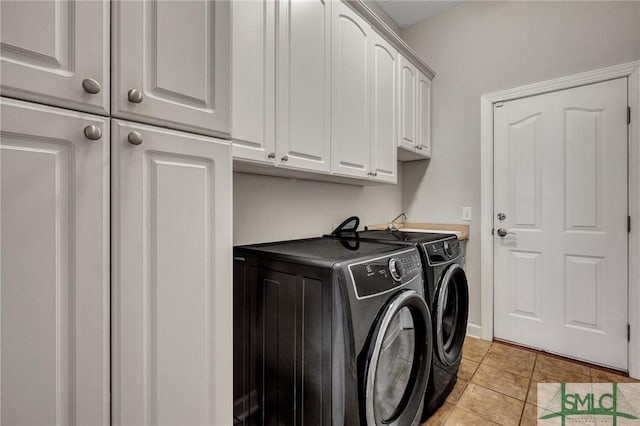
pixel 452 310
pixel 399 361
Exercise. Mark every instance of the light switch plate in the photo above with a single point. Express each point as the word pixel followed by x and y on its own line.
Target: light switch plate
pixel 466 213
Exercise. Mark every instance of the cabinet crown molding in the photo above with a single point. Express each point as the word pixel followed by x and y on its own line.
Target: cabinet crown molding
pixel 365 11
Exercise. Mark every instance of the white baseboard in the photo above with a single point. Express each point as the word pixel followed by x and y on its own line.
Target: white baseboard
pixel 474 330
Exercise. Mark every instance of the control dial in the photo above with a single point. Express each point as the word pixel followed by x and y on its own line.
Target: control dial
pixel 447 249
pixel 396 269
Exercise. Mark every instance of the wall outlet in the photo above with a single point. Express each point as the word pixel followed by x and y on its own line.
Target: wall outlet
pixel 466 213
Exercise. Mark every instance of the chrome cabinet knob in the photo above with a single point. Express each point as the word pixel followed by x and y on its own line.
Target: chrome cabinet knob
pixel 91 86
pixel 502 216
pixel 92 132
pixel 134 96
pixel 271 155
pixel 285 158
pixel 418 146
pixel 135 138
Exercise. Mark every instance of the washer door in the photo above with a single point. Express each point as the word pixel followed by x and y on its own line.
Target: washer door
pixel 399 361
pixel 451 313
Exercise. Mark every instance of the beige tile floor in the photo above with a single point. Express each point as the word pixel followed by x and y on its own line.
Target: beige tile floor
pixel 497 384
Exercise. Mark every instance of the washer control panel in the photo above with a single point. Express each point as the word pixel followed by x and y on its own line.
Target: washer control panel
pixel 380 275
pixel 396 269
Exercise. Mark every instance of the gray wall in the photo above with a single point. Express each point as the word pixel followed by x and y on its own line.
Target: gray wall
pixel 481 47
pixel 271 208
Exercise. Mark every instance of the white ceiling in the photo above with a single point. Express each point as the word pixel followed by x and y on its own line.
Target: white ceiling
pixel 407 12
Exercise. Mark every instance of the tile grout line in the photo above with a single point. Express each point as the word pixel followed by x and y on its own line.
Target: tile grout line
pixel 526 397
pixel 533 370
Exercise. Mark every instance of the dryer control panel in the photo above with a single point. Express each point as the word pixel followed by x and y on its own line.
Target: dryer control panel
pixel 443 251
pixel 383 274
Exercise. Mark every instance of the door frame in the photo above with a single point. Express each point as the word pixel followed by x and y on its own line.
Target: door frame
pixel 630 70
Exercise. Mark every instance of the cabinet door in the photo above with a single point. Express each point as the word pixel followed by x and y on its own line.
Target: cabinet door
pixel 172 284
pixel 253 80
pixel 350 95
pixel 384 123
pixel 424 115
pixel 175 56
pixel 408 104
pixel 49 48
pixel 304 71
pixel 54 275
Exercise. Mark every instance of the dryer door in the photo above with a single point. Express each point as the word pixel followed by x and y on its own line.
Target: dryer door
pixel 398 362
pixel 451 313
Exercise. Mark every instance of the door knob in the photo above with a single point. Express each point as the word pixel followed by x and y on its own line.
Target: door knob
pixel 502 216
pixel 134 96
pixel 91 86
pixel 503 232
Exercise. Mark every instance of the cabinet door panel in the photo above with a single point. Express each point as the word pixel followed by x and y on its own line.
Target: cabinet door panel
pixel 351 103
pixel 384 124
pixel 408 86
pixel 172 290
pixel 176 53
pixel 54 278
pixel 304 67
pixel 253 81
pixel 49 47
pixel 424 114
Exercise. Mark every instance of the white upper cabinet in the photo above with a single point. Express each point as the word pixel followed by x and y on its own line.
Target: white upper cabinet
pixel 317 88
pixel 253 81
pixel 384 122
pixel 415 98
pixel 172 278
pixel 408 84
pixel 54 275
pixel 56 52
pixel 304 85
pixel 351 94
pixel 171 64
pixel 423 120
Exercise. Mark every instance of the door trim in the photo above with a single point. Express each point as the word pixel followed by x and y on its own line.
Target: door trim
pixel 630 70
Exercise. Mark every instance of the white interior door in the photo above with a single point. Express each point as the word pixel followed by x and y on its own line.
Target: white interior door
pixel 560 190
